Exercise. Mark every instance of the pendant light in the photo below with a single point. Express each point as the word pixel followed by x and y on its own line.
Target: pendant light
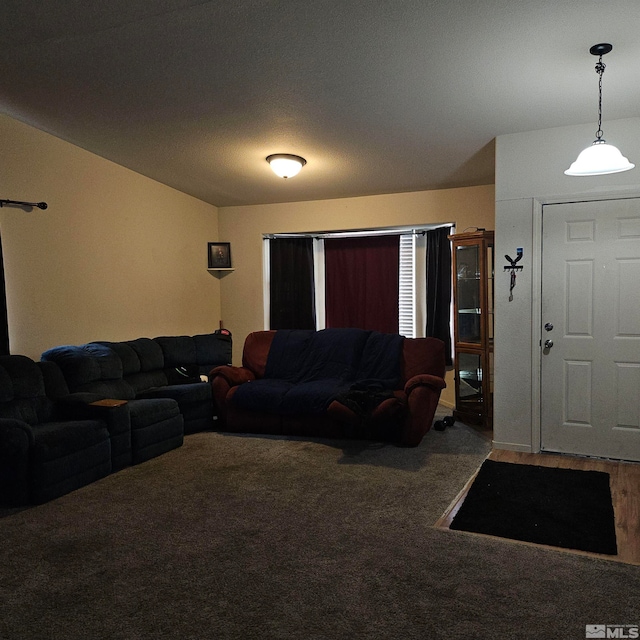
pixel 600 158
pixel 285 165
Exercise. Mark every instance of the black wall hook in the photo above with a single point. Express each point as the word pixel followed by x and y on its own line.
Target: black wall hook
pixel 513 263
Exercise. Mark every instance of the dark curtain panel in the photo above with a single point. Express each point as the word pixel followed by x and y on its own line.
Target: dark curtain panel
pixel 292 293
pixel 362 287
pixel 439 287
pixel 4 324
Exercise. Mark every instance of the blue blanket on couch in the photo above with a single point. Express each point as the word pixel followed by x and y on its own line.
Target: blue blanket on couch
pixel 306 369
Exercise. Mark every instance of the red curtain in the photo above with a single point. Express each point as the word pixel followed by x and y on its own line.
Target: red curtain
pixel 361 280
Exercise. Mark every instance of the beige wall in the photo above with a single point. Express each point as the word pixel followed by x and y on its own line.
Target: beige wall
pixel 115 256
pixel 242 290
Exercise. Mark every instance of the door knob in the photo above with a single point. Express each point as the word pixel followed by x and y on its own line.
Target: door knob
pixel 548 344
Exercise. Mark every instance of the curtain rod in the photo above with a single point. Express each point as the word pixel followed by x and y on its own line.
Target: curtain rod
pixel 40 205
pixel 390 231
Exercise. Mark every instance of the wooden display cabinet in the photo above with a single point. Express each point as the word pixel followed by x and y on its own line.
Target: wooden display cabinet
pixel 473 270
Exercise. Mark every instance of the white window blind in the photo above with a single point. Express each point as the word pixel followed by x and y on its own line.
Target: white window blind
pixel 407 289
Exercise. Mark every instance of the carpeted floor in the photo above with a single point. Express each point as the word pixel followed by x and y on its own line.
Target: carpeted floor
pixel 237 537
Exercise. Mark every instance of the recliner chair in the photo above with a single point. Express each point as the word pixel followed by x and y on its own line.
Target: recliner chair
pixel 47 448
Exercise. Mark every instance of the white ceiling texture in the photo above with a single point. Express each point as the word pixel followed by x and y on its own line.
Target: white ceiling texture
pixel 379 96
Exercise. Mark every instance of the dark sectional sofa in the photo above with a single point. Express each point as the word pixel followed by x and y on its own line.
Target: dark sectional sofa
pixel 164 368
pixel 85 411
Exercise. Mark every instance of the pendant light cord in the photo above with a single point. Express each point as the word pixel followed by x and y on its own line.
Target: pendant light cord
pixel 600 66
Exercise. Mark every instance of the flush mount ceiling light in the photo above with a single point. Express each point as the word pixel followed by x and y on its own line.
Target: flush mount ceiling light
pixel 285 165
pixel 600 158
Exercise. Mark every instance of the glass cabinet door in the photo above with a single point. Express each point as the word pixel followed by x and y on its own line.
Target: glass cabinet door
pixel 468 293
pixel 470 374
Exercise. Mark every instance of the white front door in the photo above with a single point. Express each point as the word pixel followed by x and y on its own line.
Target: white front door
pixel 590 386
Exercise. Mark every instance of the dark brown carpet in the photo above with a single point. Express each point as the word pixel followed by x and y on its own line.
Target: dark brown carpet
pixel 235 537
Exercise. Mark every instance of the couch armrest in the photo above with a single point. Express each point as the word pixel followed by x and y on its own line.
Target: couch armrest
pixel 423 393
pixel 16 439
pixel 222 379
pixel 424 380
pixel 10 427
pixel 232 375
pixel 82 405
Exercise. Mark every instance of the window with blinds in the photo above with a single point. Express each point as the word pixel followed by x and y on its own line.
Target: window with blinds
pixel 412 296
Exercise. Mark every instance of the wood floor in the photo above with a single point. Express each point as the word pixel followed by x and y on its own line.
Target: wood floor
pixel 625 494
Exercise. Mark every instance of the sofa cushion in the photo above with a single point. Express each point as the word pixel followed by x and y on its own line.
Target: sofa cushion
pixel 26 378
pixel 157 438
pixel 181 393
pixel 288 398
pixel 423 355
pixel 93 368
pixel 55 440
pixel 381 361
pixel 54 383
pixel 364 415
pixel 149 353
pixel 128 356
pixel 265 395
pixel 195 402
pixel 145 412
pixel 177 350
pixel 145 380
pixel 78 366
pixel 119 389
pixel 311 397
pixel 307 355
pixel 108 361
pixel 136 377
pixel 212 349
pixel 29 402
pixel 67 456
pixel 17 438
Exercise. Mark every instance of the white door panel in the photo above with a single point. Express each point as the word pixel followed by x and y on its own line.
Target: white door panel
pixel 590 386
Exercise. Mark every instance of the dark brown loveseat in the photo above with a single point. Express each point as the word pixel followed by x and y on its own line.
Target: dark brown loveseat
pixel 400 411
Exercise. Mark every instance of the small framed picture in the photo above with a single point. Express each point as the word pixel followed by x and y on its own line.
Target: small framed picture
pixel 219 255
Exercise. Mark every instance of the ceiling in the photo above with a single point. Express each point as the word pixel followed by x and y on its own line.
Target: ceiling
pixel 378 96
